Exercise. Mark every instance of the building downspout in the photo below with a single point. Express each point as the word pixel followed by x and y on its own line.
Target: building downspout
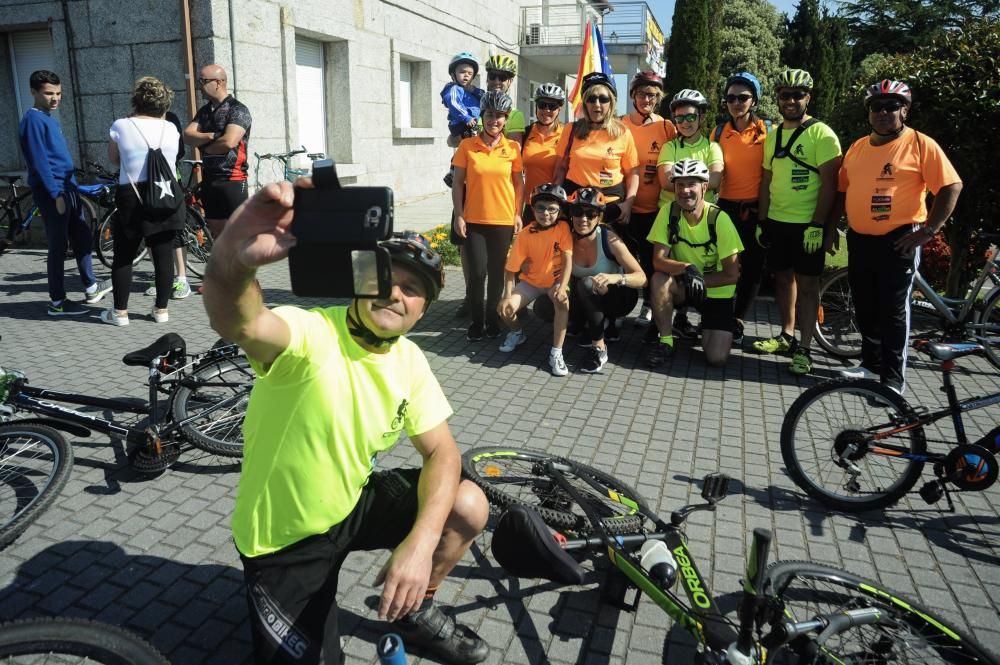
pixel 188 56
pixel 232 49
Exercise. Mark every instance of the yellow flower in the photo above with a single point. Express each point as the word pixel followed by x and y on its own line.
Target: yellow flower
pixel 434 245
pixel 440 236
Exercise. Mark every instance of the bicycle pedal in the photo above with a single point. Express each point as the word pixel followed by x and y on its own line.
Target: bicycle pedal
pixel 932 491
pixel 715 487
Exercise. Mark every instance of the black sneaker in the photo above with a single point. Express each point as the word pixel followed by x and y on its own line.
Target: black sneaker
pixel 492 330
pixel 659 354
pixel 684 329
pixel 652 335
pixel 68 308
pixel 463 310
pixel 611 333
pixel 596 359
pixel 475 332
pixel 738 333
pixel 441 635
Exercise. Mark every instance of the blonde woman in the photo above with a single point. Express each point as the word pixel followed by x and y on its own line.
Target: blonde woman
pixel 131 140
pixel 538 147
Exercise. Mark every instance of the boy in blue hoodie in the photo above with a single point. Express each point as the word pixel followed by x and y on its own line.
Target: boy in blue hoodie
pixel 50 177
pixel 461 96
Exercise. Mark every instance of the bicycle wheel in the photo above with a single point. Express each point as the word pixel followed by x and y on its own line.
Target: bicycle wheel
pixel 198 242
pixel 104 242
pixel 518 477
pixel 987 328
pixel 215 396
pixel 35 463
pixel 836 324
pixel 12 222
pixel 844 442
pixel 64 640
pixel 908 633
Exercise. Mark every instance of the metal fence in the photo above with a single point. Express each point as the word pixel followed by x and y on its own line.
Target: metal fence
pixel 625 23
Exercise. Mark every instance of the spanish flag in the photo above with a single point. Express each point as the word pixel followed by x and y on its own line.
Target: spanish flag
pixel 593 58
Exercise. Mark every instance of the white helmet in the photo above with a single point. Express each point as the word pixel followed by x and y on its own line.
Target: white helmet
pixel 688 96
pixel 689 168
pixel 550 91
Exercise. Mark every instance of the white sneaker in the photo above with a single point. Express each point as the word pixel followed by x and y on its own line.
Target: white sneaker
pixel 557 364
pixel 859 372
pixel 514 339
pixel 181 290
pixel 645 315
pixel 108 316
pixel 160 315
pixel 151 291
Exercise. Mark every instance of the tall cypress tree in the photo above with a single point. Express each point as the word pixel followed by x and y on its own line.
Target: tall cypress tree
pixel 688 49
pixel 806 47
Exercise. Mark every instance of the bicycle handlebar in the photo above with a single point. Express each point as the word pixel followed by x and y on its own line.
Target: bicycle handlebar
pixel 281 155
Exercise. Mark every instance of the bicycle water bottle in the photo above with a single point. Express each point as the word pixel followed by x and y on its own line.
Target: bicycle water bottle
pixel 656 558
pixel 390 650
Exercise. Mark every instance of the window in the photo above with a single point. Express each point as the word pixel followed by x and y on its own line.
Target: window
pixel 405 94
pixel 310 87
pixel 414 99
pixel 30 51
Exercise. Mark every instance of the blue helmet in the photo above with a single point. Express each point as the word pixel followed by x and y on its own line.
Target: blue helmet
pixel 748 79
pixel 464 58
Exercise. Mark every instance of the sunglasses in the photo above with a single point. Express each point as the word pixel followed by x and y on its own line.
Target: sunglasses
pixel 499 76
pixel 584 211
pixel 598 99
pixel 741 98
pixel 797 95
pixel 891 106
pixel 207 81
pixel 690 117
pixel 547 106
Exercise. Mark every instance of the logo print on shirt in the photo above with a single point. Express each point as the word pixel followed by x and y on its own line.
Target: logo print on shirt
pixel 799 151
pixel 611 152
pixel 397 422
pixel 654 147
pixel 887 170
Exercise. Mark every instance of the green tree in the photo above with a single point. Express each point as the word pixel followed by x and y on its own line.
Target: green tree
pixel 689 46
pixel 817 42
pixel 901 26
pixel 750 36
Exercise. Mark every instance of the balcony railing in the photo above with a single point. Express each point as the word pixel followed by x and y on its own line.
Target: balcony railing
pixel 560 25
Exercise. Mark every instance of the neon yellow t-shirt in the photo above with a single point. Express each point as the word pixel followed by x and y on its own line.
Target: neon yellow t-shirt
pixel 674 151
pixel 317 419
pixel 794 188
pixel 515 122
pixel 707 259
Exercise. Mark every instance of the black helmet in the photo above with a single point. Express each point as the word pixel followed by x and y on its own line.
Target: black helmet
pixel 414 250
pixel 548 191
pixel 589 197
pixel 496 100
pixel 597 78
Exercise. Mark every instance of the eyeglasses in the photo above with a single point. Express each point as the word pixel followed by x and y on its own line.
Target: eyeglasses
pixel 598 99
pixel 742 98
pixel 499 76
pixel 584 211
pixel 890 105
pixel 207 81
pixel 690 117
pixel 646 95
pixel 797 95
pixel 547 106
pixel 543 209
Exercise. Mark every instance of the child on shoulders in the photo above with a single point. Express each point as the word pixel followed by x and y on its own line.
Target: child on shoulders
pixel 461 96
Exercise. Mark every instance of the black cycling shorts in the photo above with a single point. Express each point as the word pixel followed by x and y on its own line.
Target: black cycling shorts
pixel 717 314
pixel 292 593
pixel 222 197
pixel 786 251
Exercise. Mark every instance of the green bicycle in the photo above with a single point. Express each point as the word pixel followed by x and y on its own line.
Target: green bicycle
pixel 791 611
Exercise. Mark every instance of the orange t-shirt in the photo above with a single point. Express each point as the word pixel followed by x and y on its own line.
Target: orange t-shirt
pixel 886 185
pixel 742 154
pixel 540 158
pixel 537 253
pixel 598 160
pixel 649 138
pixel 489 191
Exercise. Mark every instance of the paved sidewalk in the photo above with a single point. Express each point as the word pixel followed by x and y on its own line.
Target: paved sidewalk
pixel 423 214
pixel 155 555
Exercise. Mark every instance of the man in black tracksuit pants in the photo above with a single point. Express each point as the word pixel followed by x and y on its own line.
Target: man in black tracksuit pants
pixel 884 179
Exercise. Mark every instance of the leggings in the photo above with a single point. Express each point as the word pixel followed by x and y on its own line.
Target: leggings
pixel 744 216
pixel 161 247
pixel 486 248
pixel 617 302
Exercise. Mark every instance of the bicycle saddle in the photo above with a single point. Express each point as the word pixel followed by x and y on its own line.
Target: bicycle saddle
pixel 10 179
pixel 171 343
pixel 944 351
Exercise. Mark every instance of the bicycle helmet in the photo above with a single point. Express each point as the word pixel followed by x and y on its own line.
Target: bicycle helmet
pixel 497 101
pixel 794 78
pixel 747 79
pixel 689 168
pixel 550 91
pixel 597 78
pixel 889 88
pixel 415 252
pixel 463 58
pixel 501 63
pixel 645 78
pixel 548 191
pixel 590 197
pixel 688 97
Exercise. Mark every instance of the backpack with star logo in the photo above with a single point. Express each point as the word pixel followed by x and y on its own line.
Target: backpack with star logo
pixel 163 195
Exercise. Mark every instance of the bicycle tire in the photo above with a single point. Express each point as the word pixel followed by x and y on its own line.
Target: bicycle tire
pixel 839 412
pixel 488 467
pixel 35 463
pixel 104 242
pixel 836 323
pixel 13 218
pixel 198 242
pixel 224 406
pixel 98 642
pixel 801 590
pixel 987 328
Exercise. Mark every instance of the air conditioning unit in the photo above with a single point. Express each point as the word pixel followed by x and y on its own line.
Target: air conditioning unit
pixel 537 34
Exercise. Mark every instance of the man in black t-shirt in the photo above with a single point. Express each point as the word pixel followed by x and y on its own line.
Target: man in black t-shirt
pixel 221 129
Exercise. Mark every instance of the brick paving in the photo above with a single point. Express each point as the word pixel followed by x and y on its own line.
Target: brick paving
pixel 155 555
